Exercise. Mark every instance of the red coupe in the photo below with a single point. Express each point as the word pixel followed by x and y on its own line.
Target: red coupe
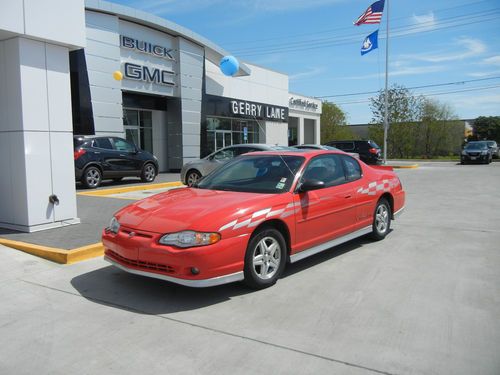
pixel 250 217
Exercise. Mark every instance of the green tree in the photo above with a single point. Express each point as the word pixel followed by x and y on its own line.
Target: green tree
pixel 418 127
pixel 333 124
pixel 405 109
pixel 487 128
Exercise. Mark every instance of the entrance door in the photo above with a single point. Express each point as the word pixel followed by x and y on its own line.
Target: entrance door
pixel 139 128
pixel 223 139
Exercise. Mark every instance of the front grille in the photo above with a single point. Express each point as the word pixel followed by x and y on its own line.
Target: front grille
pixel 136 233
pixel 141 264
pixel 473 153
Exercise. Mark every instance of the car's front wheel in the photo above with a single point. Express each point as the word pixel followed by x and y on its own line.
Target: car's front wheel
pixel 148 173
pixel 265 258
pixel 92 177
pixel 192 177
pixel 381 220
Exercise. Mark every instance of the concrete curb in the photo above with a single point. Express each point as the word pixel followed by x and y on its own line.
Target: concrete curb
pixel 54 254
pixel 411 166
pixel 106 192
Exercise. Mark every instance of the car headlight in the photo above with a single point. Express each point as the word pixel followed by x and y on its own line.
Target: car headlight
pixel 463 152
pixel 484 152
pixel 114 225
pixel 190 239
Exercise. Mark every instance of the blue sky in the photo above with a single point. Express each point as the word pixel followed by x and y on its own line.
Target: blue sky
pixel 315 43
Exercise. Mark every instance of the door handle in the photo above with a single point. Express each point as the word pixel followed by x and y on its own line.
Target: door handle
pixel 122 155
pixel 348 196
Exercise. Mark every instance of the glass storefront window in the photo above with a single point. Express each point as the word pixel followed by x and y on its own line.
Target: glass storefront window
pixel 139 128
pixel 223 132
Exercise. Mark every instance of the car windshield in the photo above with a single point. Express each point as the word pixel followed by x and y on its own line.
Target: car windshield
pixel 476 145
pixel 268 174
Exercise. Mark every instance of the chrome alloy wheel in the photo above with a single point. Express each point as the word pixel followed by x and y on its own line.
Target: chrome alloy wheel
pixel 93 178
pixel 192 178
pixel 149 172
pixel 382 218
pixel 266 258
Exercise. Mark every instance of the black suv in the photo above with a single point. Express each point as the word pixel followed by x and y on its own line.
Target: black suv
pixel 98 158
pixel 368 151
pixel 475 152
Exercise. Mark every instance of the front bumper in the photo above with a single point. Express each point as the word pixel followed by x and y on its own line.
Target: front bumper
pixel 474 158
pixel 141 254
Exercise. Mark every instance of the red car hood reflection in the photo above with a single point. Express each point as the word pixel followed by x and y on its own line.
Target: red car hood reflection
pixel 189 208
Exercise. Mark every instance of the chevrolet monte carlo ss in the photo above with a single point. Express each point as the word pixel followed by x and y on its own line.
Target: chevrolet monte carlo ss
pixel 250 217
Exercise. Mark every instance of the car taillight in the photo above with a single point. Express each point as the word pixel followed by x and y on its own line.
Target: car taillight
pixel 373 150
pixel 78 153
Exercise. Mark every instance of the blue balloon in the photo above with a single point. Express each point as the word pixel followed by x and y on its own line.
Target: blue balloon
pixel 229 65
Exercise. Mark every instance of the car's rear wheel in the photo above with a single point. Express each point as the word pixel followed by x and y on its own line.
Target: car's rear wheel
pixel 148 173
pixel 381 220
pixel 265 258
pixel 192 177
pixel 92 177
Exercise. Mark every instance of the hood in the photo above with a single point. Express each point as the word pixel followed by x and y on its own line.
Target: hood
pixel 194 209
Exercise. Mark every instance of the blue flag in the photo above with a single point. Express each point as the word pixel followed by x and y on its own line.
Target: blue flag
pixel 370 43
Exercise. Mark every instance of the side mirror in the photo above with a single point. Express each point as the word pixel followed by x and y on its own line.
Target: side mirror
pixel 308 185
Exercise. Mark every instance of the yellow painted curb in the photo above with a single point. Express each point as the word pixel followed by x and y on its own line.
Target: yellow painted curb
pixel 411 166
pixel 57 255
pixel 105 192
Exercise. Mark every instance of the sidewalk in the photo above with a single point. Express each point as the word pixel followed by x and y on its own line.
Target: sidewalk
pixel 94 213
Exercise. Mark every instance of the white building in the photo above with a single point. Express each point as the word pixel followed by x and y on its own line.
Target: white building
pixel 56 80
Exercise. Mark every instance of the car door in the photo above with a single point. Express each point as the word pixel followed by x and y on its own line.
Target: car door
pixel 126 159
pixel 104 152
pixel 363 203
pixel 324 214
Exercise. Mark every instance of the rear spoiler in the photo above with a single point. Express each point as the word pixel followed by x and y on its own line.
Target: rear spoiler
pixel 384 167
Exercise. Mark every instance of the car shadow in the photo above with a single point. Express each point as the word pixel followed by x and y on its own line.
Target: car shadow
pixel 113 287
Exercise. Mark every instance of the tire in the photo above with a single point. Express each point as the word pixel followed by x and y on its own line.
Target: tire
pixel 265 258
pixel 148 173
pixel 381 220
pixel 92 177
pixel 192 176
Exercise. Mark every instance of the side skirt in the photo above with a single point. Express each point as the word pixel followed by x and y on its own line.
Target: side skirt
pixel 324 246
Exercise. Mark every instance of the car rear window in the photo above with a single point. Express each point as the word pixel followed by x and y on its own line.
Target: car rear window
pixel 79 142
pixel 373 144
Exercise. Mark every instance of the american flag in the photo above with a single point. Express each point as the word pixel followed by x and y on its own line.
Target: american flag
pixel 372 15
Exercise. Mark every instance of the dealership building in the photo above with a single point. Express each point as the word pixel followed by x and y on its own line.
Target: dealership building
pixel 107 69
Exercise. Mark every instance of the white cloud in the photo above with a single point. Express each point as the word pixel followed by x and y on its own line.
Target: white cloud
pixel 493 60
pixel 463 48
pixel 399 69
pixel 484 74
pixel 424 22
pixel 309 73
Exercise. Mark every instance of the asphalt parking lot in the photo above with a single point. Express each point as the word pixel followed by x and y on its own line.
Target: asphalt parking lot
pixel 426 300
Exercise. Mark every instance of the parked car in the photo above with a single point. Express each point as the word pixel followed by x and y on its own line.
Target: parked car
pixel 251 216
pixel 100 158
pixel 477 151
pixel 324 147
pixel 368 151
pixel 192 171
pixel 495 151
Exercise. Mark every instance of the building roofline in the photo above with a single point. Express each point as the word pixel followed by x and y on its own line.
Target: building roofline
pixel 213 52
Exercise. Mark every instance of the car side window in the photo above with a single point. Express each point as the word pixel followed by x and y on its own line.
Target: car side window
pixel 351 167
pixel 326 168
pixel 123 145
pixel 104 143
pixel 225 154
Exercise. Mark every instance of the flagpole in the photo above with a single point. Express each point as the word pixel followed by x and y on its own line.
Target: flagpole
pixel 386 112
